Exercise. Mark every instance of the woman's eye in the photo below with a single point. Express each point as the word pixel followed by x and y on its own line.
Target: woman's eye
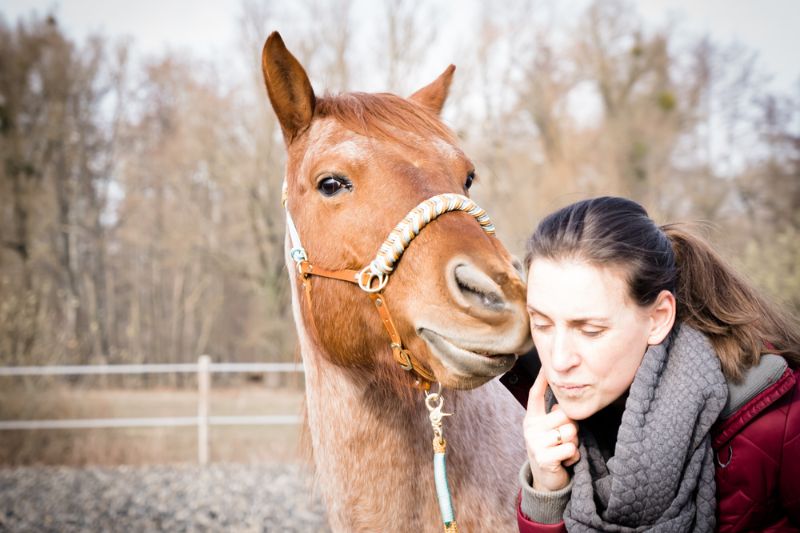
pixel 332 185
pixel 540 327
pixel 470 179
pixel 591 332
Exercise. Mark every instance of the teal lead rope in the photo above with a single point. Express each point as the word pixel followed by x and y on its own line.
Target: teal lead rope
pixel 434 401
pixel 442 489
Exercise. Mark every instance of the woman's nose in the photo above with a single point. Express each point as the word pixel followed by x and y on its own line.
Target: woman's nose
pixel 563 356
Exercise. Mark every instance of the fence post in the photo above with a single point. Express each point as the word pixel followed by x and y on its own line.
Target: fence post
pixel 203 386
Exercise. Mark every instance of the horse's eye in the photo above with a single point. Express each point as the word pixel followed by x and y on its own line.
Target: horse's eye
pixel 470 179
pixel 332 185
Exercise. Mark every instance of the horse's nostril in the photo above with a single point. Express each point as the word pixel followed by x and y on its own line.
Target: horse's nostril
pixel 477 289
pixel 488 300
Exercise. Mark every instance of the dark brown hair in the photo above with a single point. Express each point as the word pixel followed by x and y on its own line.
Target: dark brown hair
pixel 711 296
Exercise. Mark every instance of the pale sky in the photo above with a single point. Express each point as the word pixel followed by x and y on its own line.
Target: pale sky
pixel 207 27
pixel 768 26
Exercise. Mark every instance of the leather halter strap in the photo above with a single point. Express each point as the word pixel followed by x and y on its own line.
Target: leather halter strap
pixel 403 357
pixel 373 278
pixel 307 269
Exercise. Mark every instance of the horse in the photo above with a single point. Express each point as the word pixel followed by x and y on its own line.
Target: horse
pixel 356 164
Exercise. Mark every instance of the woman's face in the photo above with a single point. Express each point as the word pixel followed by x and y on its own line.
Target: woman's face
pixel 590 335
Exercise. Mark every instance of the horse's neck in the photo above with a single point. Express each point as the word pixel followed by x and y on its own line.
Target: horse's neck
pixel 373 457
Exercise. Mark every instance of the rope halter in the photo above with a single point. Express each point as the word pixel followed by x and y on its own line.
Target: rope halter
pixel 373 278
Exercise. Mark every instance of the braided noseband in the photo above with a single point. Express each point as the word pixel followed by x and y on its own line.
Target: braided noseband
pixel 373 278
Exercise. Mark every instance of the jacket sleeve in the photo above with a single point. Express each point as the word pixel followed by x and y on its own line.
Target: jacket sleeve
pixel 790 463
pixel 540 511
pixel 527 525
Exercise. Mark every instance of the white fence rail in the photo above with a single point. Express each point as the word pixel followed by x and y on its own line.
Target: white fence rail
pixel 186 368
pixel 203 368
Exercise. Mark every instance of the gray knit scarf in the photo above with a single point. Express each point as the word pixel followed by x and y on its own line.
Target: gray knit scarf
pixel 661 475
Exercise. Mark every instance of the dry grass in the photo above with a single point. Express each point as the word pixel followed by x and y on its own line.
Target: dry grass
pixel 248 444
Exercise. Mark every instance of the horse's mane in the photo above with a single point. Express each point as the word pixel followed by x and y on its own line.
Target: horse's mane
pixel 383 116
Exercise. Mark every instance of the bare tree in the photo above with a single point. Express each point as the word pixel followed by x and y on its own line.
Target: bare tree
pixel 140 204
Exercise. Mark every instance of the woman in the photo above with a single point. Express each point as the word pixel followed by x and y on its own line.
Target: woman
pixel 668 398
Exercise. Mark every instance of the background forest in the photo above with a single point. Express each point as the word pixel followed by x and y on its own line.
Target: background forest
pixel 139 195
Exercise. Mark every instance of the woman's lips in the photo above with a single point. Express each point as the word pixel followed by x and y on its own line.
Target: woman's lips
pixel 572 390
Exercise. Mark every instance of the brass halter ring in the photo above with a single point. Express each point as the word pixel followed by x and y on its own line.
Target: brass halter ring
pixel 367 278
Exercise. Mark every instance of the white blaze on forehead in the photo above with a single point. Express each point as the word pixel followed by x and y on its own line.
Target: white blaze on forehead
pixel 446 149
pixel 351 149
pixel 327 139
pixel 442 147
pixel 322 130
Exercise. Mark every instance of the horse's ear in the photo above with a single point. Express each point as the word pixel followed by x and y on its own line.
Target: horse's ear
pixel 433 96
pixel 289 90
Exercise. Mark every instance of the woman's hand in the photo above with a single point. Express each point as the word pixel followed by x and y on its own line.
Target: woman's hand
pixel 551 440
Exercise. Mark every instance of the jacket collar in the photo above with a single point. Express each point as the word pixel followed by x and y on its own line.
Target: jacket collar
pixel 762 386
pixel 756 379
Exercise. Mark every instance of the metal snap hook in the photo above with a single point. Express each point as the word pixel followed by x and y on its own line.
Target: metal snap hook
pixel 730 458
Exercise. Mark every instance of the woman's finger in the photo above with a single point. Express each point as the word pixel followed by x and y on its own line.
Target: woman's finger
pixel 574 459
pixel 543 431
pixel 553 419
pixel 552 458
pixel 536 395
pixel 568 432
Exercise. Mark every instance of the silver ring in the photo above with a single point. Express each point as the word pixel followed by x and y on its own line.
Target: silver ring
pixel 367 284
pixel 560 439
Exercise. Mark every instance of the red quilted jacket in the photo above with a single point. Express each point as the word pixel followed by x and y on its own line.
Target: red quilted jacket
pixel 757 452
pixel 758 461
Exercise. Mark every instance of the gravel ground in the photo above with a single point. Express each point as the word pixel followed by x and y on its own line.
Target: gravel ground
pixel 235 498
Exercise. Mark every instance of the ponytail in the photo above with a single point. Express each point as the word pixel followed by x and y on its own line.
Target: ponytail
pixel 714 299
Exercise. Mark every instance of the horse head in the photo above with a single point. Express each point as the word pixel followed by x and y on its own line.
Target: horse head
pixel 356 164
